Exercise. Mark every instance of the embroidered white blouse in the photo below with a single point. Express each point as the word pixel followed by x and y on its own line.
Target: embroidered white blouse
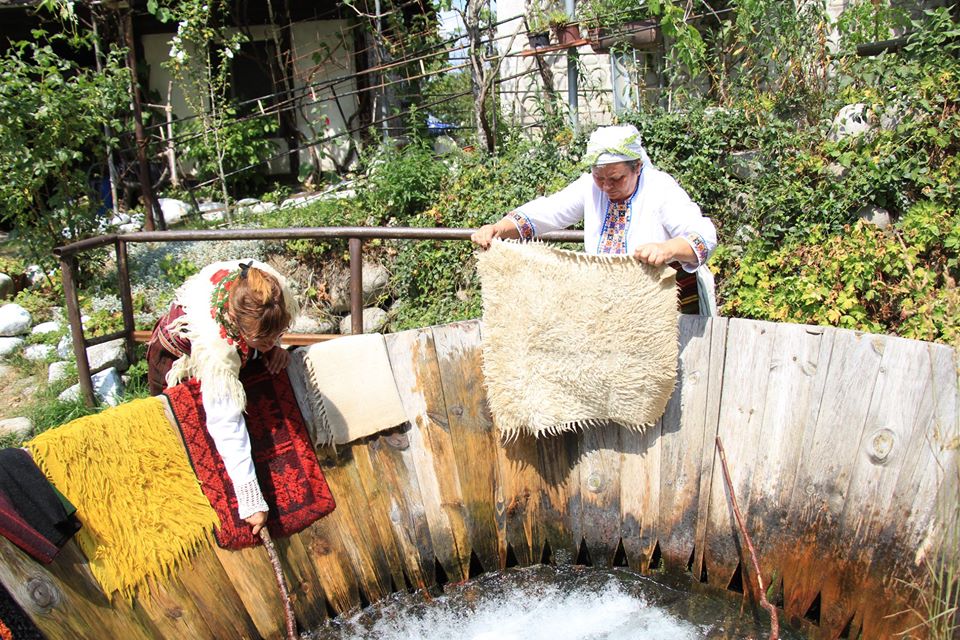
pixel 659 210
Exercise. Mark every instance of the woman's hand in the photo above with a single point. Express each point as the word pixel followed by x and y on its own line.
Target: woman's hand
pixel 485 235
pixel 257 521
pixel 655 253
pixel 276 359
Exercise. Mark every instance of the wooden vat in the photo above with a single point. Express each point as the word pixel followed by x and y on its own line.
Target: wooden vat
pixel 834 439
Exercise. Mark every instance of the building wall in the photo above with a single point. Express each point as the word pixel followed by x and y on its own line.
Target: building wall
pixel 321 52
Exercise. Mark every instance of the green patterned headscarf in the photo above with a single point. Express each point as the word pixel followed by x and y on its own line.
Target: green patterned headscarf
pixel 618 143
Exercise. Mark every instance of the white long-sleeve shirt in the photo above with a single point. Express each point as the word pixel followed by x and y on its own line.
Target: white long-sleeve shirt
pixel 659 210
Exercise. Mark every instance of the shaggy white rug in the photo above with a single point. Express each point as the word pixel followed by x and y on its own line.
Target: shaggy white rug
pixel 572 340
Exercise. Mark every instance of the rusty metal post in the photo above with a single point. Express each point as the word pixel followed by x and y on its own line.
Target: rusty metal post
pixel 68 269
pixel 356 286
pixel 126 301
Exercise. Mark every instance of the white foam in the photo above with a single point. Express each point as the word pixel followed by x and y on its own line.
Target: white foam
pixel 539 613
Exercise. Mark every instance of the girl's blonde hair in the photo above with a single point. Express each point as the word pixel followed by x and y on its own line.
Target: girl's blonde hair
pixel 257 305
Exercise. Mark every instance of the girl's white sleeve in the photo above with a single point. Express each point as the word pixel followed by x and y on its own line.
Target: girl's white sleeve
pixel 682 218
pixel 229 432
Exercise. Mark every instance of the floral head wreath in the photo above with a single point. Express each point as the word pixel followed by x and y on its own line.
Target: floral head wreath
pixel 223 282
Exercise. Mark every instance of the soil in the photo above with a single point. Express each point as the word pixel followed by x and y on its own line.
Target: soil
pixel 16 391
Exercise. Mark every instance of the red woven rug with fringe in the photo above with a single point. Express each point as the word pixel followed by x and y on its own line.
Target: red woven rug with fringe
pixel 290 476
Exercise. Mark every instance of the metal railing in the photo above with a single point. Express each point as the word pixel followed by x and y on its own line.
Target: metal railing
pixel 355 236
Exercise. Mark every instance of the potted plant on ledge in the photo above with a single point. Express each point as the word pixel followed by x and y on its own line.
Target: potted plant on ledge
pixel 538 29
pixel 612 23
pixel 564 29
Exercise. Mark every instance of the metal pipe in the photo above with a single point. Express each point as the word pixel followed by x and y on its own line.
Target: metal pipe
pixel 572 79
pixel 68 271
pixel 356 286
pixel 126 301
pixel 298 233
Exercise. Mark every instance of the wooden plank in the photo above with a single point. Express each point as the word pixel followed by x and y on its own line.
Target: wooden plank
pixel 219 603
pixel 361 542
pixel 796 376
pixel 251 574
pixel 640 494
pixel 381 509
pixel 521 493
pixel 413 358
pixel 916 501
pixel 471 427
pixel 560 509
pixel 600 491
pixel 826 465
pixel 303 582
pixel 338 584
pixel 64 600
pixel 173 612
pixel 688 428
pixel 747 370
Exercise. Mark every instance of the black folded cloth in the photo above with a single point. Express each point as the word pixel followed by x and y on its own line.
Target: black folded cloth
pixel 33 514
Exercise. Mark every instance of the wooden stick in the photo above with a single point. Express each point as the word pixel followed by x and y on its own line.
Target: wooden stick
pixel 284 594
pixel 774 622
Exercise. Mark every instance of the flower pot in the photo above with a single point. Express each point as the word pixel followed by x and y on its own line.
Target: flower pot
pixel 539 40
pixel 567 34
pixel 598 42
pixel 641 34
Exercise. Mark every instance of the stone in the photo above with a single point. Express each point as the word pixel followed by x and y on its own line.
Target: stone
pixel 174 211
pixel 16 426
pixel 300 200
pixel 263 207
pixel 44 328
pixel 39 352
pixel 130 227
pixel 877 216
pixel 837 170
pixel 373 321
pixel 119 219
pixel 213 216
pixel 744 164
pixel 7 288
pixel 58 371
pixel 305 324
pixel 207 207
pixel 65 347
pixel 35 275
pixel 108 354
pixel 14 320
pixel 851 120
pixel 9 346
pixel 107 387
pixel 374 284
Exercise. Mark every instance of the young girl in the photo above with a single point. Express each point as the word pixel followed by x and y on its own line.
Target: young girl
pixel 229 313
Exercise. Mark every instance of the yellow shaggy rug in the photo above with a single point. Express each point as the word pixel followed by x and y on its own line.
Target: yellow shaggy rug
pixel 572 340
pixel 138 499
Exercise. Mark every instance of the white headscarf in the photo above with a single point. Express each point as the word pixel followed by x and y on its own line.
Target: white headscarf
pixel 618 143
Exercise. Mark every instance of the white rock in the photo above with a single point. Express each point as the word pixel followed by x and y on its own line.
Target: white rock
pixel 6 286
pixel 247 202
pixel 108 354
pixel 206 207
pixel 174 211
pixel 213 216
pixel 373 321
pixel 877 216
pixel 107 386
pixel 38 352
pixel 851 120
pixel 130 227
pixel 47 327
pixel 14 320
pixel 263 207
pixel 9 345
pixel 119 219
pixel 19 426
pixel 305 324
pixel 300 200
pixel 65 347
pixel 34 274
pixel 374 282
pixel 59 371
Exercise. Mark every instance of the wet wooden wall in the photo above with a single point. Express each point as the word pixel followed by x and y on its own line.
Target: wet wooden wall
pixel 833 437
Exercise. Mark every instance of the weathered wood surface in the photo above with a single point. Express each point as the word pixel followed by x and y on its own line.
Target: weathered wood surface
pixel 836 442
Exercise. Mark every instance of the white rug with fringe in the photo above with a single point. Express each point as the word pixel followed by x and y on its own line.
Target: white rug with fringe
pixel 572 340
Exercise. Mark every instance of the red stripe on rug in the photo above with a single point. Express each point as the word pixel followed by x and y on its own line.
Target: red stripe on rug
pixel 287 468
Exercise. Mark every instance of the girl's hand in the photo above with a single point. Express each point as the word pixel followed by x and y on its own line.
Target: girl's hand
pixel 655 253
pixel 257 521
pixel 276 359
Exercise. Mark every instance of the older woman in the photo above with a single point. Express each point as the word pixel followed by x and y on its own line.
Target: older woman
pixel 628 207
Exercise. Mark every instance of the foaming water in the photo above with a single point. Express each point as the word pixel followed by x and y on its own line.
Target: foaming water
pixel 546 603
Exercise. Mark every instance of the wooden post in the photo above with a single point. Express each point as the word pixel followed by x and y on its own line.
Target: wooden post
pixel 68 265
pixel 126 301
